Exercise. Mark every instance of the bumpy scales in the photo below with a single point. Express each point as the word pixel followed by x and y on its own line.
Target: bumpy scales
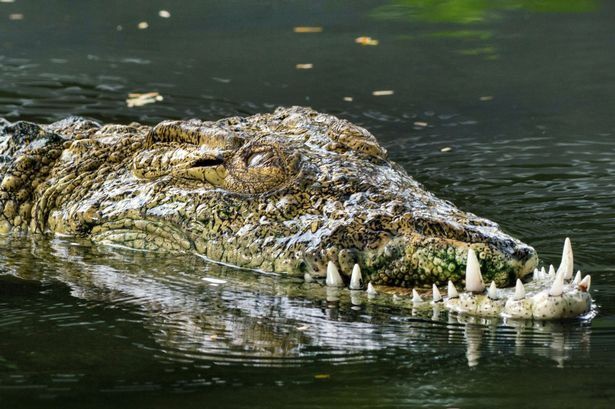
pixel 287 192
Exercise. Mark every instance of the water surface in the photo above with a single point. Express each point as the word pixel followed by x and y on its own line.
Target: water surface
pixel 521 94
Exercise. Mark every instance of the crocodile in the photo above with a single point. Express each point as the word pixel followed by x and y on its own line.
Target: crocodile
pixel 293 192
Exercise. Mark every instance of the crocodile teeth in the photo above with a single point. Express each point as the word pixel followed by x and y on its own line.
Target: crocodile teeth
pixel 436 293
pixel 585 283
pixel 452 291
pixel 543 272
pixel 416 298
pixel 551 270
pixel 538 274
pixel 567 264
pixel 356 280
pixel 557 288
pixel 334 279
pixel 474 280
pixel 577 278
pixel 370 289
pixel 519 291
pixel 492 292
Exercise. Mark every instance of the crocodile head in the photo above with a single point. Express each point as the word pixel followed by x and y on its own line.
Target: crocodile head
pixel 283 192
pixel 286 192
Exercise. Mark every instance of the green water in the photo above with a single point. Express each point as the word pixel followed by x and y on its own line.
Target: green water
pixel 522 92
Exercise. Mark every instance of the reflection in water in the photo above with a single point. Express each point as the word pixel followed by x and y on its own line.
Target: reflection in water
pixel 474 11
pixel 200 312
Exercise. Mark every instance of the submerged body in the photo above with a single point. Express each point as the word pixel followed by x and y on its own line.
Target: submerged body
pixel 290 192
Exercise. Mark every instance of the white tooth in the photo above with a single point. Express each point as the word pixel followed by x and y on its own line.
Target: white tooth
pixel 474 280
pixel 585 283
pixel 551 270
pixel 416 298
pixel 334 279
pixel 537 274
pixel 356 280
pixel 557 288
pixel 567 264
pixel 452 291
pixel 492 292
pixel 519 291
pixel 436 293
pixel 543 272
pixel 577 278
pixel 370 289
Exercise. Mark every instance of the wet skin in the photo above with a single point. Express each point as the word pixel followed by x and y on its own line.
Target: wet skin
pixel 287 192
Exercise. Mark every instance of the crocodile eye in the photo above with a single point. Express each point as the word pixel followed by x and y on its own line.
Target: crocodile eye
pixel 260 159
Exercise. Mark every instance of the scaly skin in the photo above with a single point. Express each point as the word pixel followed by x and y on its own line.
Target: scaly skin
pixel 285 192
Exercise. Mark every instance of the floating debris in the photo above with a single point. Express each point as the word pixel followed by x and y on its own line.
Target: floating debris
pixel 222 80
pixel 384 92
pixel 137 100
pixel 16 16
pixel 7 1
pixel 304 66
pixel 164 14
pixel 119 28
pixel 446 149
pixel 366 41
pixel 305 29
pixel 486 98
pixel 348 99
pixel 143 25
pixel 322 376
pixel 421 124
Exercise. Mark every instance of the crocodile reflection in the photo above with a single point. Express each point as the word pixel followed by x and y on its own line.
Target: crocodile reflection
pixel 256 319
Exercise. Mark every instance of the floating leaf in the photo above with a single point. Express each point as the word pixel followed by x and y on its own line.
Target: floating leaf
pixel 304 66
pixel 305 29
pixel 366 41
pixel 384 92
pixel 137 100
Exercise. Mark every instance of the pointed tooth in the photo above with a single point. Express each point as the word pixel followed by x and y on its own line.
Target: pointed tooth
pixel 543 272
pixel 577 278
pixel 519 291
pixel 557 288
pixel 538 274
pixel 356 280
pixel 334 279
pixel 370 289
pixel 567 263
pixel 436 293
pixel 492 292
pixel 585 283
pixel 416 298
pixel 551 270
pixel 452 291
pixel 474 280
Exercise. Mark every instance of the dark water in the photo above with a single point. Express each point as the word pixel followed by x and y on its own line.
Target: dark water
pixel 521 91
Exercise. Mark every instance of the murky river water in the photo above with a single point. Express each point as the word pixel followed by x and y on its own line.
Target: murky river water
pixel 520 92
